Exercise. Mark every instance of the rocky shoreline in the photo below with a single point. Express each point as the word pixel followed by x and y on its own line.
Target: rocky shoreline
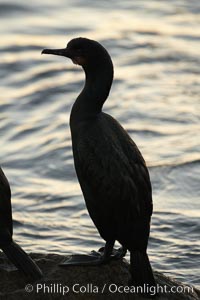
pixel 94 282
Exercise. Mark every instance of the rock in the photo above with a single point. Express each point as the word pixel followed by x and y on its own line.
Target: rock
pixel 85 282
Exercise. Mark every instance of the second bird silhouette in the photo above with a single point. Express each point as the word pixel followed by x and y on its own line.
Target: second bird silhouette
pixel 11 249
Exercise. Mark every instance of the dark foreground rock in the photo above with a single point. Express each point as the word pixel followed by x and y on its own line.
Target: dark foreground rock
pixel 99 282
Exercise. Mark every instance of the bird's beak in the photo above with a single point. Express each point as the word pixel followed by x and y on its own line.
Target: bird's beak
pixel 62 52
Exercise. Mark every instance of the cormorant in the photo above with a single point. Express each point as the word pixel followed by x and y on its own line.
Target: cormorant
pixel 12 250
pixel 110 168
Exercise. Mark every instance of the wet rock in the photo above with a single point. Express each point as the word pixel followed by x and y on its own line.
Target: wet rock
pixel 94 282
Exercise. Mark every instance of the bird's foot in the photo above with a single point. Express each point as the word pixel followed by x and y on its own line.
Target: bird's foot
pixel 81 259
pixel 115 254
pixel 94 258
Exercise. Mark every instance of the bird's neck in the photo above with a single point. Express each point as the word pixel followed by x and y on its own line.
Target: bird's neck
pixel 95 92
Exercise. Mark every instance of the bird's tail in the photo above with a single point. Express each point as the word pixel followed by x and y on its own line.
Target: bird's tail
pixel 22 261
pixel 141 273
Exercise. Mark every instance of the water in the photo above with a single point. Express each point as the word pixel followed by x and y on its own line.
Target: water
pixel 155 50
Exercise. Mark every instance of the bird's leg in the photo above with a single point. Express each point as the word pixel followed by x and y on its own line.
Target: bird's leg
pixel 107 252
pixel 104 253
pixel 110 253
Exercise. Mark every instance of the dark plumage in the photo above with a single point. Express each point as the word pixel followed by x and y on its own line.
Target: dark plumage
pixel 12 250
pixel 111 170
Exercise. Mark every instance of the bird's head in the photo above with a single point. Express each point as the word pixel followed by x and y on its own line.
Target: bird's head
pixel 82 51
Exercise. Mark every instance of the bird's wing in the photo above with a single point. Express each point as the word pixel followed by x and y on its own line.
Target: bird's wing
pixel 114 175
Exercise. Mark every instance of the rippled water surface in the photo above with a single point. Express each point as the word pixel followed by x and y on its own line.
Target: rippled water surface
pixel 155 47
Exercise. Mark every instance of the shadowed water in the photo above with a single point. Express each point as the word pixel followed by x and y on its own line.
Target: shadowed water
pixel 155 96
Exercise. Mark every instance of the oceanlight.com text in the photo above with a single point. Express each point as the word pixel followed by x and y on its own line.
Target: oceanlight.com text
pixel 59 288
